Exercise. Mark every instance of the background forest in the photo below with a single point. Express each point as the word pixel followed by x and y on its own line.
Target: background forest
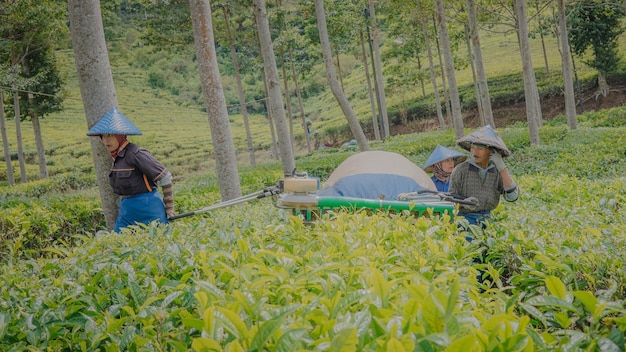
pixel 252 277
pixel 156 75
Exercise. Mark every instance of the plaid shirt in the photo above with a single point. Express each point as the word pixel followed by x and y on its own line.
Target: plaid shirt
pixel 466 181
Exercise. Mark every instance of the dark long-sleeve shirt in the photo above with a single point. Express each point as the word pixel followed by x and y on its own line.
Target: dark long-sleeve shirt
pixel 135 171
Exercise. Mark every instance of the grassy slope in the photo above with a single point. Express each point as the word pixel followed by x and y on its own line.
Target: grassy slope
pixel 559 227
pixel 180 136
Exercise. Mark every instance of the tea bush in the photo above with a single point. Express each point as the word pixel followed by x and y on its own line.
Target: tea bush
pixel 254 277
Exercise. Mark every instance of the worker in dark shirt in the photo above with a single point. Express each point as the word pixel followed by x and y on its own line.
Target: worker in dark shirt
pixel 135 175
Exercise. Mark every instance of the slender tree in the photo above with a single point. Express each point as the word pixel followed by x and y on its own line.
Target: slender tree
pixel 273 85
pixel 96 87
pixel 283 66
pixel 45 97
pixel 215 103
pixel 431 69
pixel 380 82
pixel 457 117
pixel 240 92
pixel 533 109
pixel 14 80
pixel 331 76
pixel 18 134
pixel 484 98
pixel 370 91
pixel 442 68
pixel 294 74
pixel 270 117
pixel 5 142
pixel 472 64
pixel 566 64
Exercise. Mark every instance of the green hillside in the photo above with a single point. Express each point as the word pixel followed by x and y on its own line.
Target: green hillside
pixel 179 133
pixel 255 277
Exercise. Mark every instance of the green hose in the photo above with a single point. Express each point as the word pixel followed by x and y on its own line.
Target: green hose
pixel 327 203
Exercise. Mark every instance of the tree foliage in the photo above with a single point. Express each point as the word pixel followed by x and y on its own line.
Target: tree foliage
pixel 29 32
pixel 596 26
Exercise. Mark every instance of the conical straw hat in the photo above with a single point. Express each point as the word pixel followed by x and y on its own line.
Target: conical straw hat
pixel 113 122
pixel 484 135
pixel 442 153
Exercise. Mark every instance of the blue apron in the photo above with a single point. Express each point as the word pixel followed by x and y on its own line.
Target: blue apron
pixel 142 208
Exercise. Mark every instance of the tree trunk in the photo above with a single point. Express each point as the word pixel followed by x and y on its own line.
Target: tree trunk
pixel 288 101
pixel 380 112
pixel 242 96
pixel 270 119
pixel 447 54
pixel 380 82
pixel 370 91
pixel 603 86
pixel 485 97
pixel 339 74
pixel 96 88
pixel 18 134
pixel 530 85
pixel 419 69
pixel 5 143
pixel 444 85
pixel 34 119
pixel 41 154
pixel 566 63
pixel 273 85
pixel 433 75
pixel 543 42
pixel 353 122
pixel 472 64
pixel 300 103
pixel 214 101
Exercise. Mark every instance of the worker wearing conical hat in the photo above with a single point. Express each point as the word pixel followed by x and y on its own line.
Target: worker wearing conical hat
pixel 441 162
pixel 484 175
pixel 135 174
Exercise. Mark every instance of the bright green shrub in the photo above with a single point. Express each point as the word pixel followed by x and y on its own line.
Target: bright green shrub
pixel 30 227
pixel 253 277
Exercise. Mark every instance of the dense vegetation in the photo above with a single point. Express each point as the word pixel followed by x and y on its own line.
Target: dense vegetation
pixel 252 277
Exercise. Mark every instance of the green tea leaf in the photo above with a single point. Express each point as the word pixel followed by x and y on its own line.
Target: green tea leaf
pixel 588 300
pixel 556 287
pixel 344 341
pixel 203 344
pixel 232 322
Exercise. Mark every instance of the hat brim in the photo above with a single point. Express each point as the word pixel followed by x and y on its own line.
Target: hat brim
pixel 114 122
pixel 457 161
pixel 485 135
pixel 442 153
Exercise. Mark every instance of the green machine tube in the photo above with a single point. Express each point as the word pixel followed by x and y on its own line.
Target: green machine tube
pixel 328 203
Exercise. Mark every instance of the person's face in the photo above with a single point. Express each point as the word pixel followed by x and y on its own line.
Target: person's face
pixel 110 142
pixel 447 165
pixel 480 153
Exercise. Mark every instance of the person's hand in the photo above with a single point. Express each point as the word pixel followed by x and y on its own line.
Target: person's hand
pixel 497 160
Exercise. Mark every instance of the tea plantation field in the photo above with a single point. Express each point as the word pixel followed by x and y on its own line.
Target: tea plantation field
pixel 252 277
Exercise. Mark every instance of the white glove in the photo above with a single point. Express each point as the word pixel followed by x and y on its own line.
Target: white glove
pixel 497 160
pixel 405 196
